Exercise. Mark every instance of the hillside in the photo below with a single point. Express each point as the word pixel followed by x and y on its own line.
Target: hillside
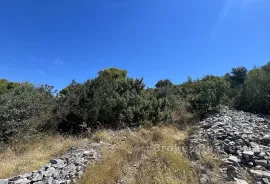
pixel 228 147
pixel 112 129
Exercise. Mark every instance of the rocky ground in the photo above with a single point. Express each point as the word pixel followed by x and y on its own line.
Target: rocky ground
pixel 230 147
pixel 63 170
pixel 241 140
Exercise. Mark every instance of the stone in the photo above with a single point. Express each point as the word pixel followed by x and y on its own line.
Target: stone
pixel 256 151
pixel 58 163
pixel 79 173
pixel 260 173
pixel 22 181
pixel 233 159
pixel 15 178
pixel 37 177
pixel 71 169
pixel 248 153
pixel 56 174
pixel 241 138
pixel 204 179
pixel 48 180
pixel 38 182
pixel 86 153
pixel 239 181
pixel 3 181
pixel 262 155
pixel 59 182
pixel 64 170
pixel 265 181
pixel 92 154
pixel 27 175
pixel 50 172
pixel 206 125
pixel 262 163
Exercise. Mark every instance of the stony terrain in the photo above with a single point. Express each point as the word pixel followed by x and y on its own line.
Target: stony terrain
pixel 63 170
pixel 241 139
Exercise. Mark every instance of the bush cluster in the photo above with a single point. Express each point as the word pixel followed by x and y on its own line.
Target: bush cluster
pixel 114 100
pixel 111 99
pixel 24 110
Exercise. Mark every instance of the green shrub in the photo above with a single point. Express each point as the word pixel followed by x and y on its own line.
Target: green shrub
pixel 111 99
pixel 6 86
pixel 23 110
pixel 255 94
pixel 204 95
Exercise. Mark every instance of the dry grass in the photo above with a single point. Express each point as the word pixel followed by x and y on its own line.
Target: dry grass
pixel 210 160
pixel 165 167
pixel 111 167
pixel 101 135
pixel 29 156
pixel 159 166
pixel 108 170
pixel 168 164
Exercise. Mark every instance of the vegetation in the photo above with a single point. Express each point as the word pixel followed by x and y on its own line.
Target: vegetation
pixel 24 110
pixel 6 86
pixel 153 165
pixel 34 115
pixel 22 158
pixel 114 100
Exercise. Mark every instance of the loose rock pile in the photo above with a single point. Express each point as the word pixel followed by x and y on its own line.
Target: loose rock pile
pixel 242 139
pixel 63 170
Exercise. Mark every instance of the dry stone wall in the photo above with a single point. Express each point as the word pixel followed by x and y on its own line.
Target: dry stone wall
pixel 241 139
pixel 63 170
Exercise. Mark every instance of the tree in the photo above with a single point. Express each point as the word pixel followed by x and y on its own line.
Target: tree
pixel 204 94
pixel 163 84
pixel 266 67
pixel 6 86
pixel 255 95
pixel 238 76
pixel 164 88
pixel 24 110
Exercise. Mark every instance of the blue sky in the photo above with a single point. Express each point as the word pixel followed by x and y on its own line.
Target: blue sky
pixel 55 41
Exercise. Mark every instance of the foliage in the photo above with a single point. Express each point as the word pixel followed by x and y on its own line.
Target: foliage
pixel 238 76
pixel 204 95
pixel 6 86
pixel 255 95
pixel 20 107
pixel 111 99
pixel 164 88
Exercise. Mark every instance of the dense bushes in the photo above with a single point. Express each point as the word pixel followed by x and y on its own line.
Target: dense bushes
pixel 24 109
pixel 6 86
pixel 255 93
pixel 204 95
pixel 113 99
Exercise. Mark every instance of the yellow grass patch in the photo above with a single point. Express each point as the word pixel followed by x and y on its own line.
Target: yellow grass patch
pixel 29 156
pixel 159 165
pixel 168 164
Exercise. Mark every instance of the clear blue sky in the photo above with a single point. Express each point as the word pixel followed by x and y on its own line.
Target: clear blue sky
pixel 55 41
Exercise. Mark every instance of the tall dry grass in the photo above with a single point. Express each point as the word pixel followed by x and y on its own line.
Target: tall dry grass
pixel 28 156
pixel 157 166
pixel 168 164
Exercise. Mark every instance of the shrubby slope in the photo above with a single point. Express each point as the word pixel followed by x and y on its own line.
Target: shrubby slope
pixel 114 100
